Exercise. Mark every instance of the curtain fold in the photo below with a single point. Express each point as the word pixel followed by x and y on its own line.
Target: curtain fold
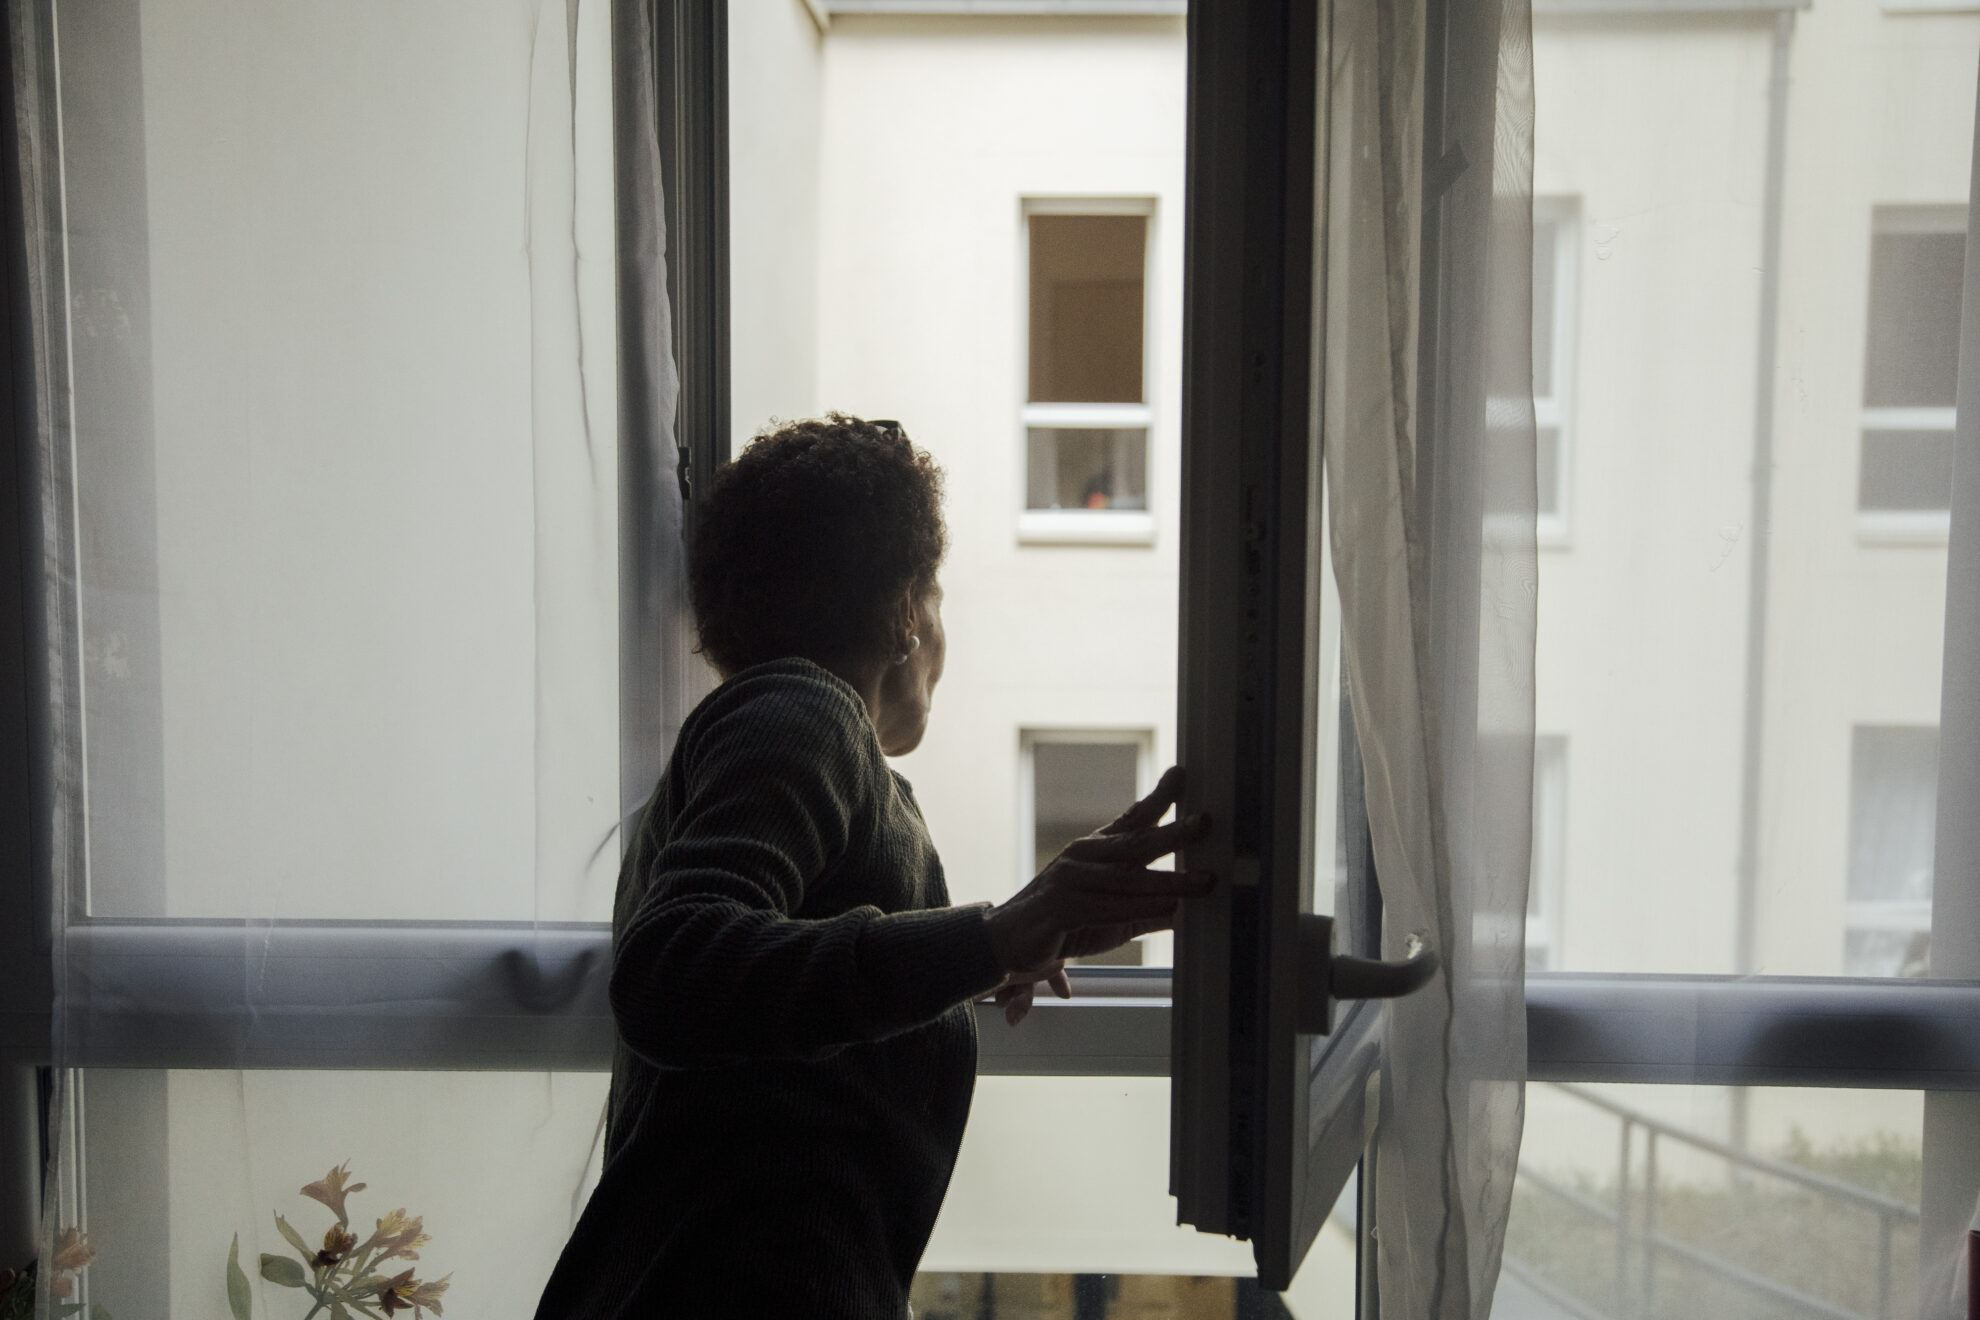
pixel 1429 439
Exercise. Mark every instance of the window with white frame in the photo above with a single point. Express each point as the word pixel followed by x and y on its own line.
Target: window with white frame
pixel 1074 782
pixel 1554 230
pixel 1893 813
pixel 1910 370
pixel 1555 225
pixel 1086 414
pixel 1544 886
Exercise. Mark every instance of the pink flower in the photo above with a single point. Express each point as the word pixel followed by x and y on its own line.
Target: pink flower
pixel 331 1190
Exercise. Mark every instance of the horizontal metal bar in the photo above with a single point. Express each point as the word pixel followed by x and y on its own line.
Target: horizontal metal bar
pixel 1626 7
pixel 472 995
pixel 1753 1031
pixel 1143 8
pixel 304 995
pixel 169 994
pixel 978 8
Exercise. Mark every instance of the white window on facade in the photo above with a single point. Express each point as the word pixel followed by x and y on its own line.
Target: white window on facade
pixel 1554 231
pixel 1910 371
pixel 1555 228
pixel 1544 887
pixel 1086 415
pixel 1074 782
pixel 1893 812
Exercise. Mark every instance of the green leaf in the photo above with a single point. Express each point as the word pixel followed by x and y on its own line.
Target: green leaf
pixel 240 1300
pixel 337 1312
pixel 295 1239
pixel 65 1308
pixel 99 1312
pixel 281 1270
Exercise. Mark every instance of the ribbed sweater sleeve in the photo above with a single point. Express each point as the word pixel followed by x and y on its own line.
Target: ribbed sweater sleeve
pixel 711 967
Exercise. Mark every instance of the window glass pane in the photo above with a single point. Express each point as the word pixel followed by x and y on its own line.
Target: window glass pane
pixel 1911 357
pixel 1077 787
pixel 1671 1202
pixel 1893 804
pixel 1547 470
pixel 1893 809
pixel 903 281
pixel 165 1188
pixel 1543 892
pixel 1906 470
pixel 1067 1176
pixel 1709 643
pixel 1086 468
pixel 346 506
pixel 1057 1177
pixel 1087 273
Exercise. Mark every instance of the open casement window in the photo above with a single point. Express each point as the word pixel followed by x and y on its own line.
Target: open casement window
pixel 1341 431
pixel 1694 870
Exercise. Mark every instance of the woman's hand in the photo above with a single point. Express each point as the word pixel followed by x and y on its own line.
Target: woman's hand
pixel 1096 895
pixel 1014 996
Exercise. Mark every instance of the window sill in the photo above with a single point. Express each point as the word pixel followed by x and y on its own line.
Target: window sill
pixel 1903 527
pixel 1085 527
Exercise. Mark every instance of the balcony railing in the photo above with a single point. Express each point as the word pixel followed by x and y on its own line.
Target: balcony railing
pixel 1643 1249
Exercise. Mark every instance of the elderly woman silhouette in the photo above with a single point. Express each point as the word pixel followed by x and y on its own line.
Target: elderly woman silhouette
pixel 791 988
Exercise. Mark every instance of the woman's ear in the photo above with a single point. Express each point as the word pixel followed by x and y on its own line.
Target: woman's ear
pixel 907 621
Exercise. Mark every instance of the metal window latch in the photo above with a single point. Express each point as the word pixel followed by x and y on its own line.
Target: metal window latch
pixel 1326 976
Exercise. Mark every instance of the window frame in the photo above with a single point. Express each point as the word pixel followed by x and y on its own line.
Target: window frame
pixel 515 996
pixel 1549 871
pixel 1125 527
pixel 1556 410
pixel 1879 915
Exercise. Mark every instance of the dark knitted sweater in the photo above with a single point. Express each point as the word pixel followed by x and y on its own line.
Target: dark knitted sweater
pixel 796 1047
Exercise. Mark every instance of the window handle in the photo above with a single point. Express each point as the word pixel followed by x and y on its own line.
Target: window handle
pixel 1326 976
pixel 1371 978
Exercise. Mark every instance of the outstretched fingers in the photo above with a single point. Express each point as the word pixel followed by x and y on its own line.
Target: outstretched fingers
pixel 1140 846
pixel 1167 792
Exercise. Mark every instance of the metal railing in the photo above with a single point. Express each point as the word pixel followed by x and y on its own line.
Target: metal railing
pixel 1640 1245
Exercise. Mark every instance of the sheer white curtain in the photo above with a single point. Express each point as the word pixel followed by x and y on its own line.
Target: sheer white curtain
pixel 335 391
pixel 1430 462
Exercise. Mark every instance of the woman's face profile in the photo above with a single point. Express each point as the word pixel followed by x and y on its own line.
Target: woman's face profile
pixel 908 689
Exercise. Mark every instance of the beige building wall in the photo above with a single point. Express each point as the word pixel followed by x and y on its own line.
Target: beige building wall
pixel 1881 114
pixel 1651 131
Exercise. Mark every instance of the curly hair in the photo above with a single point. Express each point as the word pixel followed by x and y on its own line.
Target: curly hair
pixel 806 543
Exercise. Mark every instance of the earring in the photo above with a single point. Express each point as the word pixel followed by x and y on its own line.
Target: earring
pixel 914 644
